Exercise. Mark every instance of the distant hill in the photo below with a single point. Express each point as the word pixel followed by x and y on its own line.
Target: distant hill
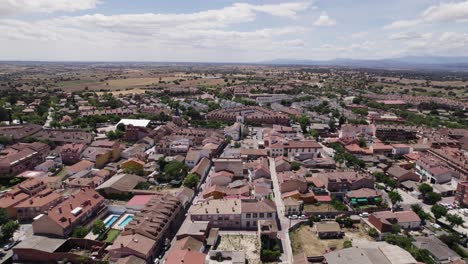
pixel 403 63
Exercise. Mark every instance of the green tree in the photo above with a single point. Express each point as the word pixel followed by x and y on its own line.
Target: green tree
pixel 344 221
pixel 79 232
pixel 175 170
pixel 347 244
pixel 191 181
pixel 8 229
pixel 303 121
pixel 419 211
pixel 362 142
pixel 295 166
pixel 396 229
pixel 5 140
pixel 55 124
pixel 425 189
pixel 98 227
pixel 338 205
pixel 451 239
pixel 395 197
pixel 391 183
pixel 438 211
pixel 373 232
pixel 313 219
pixel 3 216
pixel 433 197
pixel 454 220
pixel 121 127
pixel 314 133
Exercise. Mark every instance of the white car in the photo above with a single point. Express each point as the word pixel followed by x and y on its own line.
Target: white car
pixel 302 217
pixel 293 217
pixel 10 245
pixel 364 215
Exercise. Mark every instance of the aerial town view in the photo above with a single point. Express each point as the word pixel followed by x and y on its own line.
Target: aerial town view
pixel 236 132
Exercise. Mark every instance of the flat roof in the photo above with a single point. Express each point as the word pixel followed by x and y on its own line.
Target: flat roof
pixel 134 122
pixel 42 243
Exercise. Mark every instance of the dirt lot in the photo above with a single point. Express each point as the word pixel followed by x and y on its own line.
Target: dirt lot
pixel 248 243
pixel 304 240
pixel 319 208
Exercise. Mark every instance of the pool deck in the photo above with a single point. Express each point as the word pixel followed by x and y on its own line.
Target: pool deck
pixel 120 220
pixel 110 217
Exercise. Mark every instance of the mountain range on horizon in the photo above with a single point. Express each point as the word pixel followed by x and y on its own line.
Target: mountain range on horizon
pixel 459 63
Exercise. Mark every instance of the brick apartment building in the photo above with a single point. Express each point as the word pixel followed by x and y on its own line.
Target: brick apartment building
pixel 234 214
pixel 251 114
pixel 21 157
pixel 19 193
pixel 71 153
pixel 145 235
pixel 338 183
pixel 73 211
pixel 461 196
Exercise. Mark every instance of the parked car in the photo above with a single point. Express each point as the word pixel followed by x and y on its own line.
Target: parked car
pixel 364 214
pixel 11 245
pixel 293 217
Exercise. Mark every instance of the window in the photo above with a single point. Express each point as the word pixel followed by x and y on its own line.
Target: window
pixel 248 223
pixel 262 215
pixel 255 215
pixel 248 215
pixel 269 214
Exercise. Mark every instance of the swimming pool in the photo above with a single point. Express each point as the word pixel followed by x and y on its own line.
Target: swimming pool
pixel 127 219
pixel 110 220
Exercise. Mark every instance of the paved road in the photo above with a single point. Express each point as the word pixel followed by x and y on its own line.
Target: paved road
pixel 49 119
pixel 283 235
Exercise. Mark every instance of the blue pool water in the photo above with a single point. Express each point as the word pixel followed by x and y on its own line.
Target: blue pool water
pixel 111 220
pixel 126 220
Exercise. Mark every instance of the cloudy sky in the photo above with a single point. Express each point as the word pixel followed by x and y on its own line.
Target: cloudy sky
pixel 230 31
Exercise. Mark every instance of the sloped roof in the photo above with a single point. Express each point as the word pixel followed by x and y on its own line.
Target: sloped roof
pixel 121 182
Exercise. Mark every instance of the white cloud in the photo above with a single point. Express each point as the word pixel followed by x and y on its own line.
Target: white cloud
pixel 17 7
pixel 402 24
pixel 294 43
pixel 209 31
pixel 281 10
pixel 447 12
pixel 409 36
pixel 444 12
pixel 324 20
pixel 360 34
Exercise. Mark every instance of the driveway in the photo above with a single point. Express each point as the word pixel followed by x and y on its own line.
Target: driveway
pixel 283 235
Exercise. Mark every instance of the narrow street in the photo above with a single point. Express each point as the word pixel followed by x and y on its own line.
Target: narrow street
pixel 283 235
pixel 49 118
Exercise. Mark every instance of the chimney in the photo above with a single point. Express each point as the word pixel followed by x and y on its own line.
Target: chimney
pixel 60 210
pixel 31 201
pixel 69 220
pixel 71 206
